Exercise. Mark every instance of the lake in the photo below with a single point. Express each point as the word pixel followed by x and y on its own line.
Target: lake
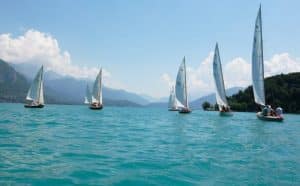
pixel 69 145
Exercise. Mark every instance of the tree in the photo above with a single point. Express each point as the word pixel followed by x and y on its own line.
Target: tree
pixel 206 105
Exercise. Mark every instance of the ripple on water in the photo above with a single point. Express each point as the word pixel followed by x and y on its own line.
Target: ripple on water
pixel 69 145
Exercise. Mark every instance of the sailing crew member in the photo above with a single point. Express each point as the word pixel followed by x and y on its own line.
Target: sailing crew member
pixel 279 112
pixel 265 111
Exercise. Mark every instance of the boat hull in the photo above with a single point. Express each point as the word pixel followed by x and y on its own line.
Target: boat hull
pixel 92 107
pixel 185 111
pixel 34 106
pixel 173 109
pixel 226 113
pixel 269 118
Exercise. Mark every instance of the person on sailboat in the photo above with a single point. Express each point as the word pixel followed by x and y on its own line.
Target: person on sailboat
pixel 272 112
pixel 96 104
pixel 279 112
pixel 265 111
pixel 225 109
pixel 269 110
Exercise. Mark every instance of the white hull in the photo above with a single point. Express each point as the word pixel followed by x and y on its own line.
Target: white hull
pixel 268 118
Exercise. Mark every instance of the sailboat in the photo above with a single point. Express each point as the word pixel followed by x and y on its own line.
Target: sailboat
pixel 181 89
pixel 172 101
pixel 35 95
pixel 87 98
pixel 96 101
pixel 220 87
pixel 258 74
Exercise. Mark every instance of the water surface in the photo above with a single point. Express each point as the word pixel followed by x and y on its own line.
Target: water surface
pixel 69 145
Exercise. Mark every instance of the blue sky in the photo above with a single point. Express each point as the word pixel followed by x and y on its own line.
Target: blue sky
pixel 137 40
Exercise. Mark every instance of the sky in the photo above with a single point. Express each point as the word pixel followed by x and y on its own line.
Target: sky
pixel 140 43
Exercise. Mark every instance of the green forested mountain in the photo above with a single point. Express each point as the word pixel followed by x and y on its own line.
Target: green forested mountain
pixel 13 85
pixel 281 90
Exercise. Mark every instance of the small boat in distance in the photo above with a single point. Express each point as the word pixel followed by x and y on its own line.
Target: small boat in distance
pixel 222 102
pixel 181 89
pixel 88 97
pixel 35 95
pixel 96 101
pixel 172 101
pixel 267 113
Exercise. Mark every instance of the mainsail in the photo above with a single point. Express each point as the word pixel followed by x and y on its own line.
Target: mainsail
pixel 180 88
pixel 219 81
pixel 87 98
pixel 258 62
pixel 97 89
pixel 36 90
pixel 172 99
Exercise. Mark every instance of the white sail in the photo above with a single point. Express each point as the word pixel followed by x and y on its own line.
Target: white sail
pixel 180 88
pixel 86 101
pixel 219 81
pixel 87 98
pixel 258 62
pixel 172 99
pixel 97 89
pixel 41 97
pixel 36 90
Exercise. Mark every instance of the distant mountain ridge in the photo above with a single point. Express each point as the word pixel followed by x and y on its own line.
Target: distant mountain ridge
pixel 197 104
pixel 75 91
pixel 59 90
pixel 13 85
pixel 211 98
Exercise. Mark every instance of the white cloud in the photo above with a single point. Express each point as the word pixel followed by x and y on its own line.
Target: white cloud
pixel 199 79
pixel 237 72
pixel 39 48
pixel 281 63
pixel 168 80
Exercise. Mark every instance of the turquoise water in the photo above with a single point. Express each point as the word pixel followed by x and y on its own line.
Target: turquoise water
pixel 68 145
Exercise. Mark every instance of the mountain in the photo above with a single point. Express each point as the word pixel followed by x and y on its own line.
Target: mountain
pixel 13 85
pixel 75 91
pixel 158 104
pixel 211 98
pixel 153 99
pixel 196 104
pixel 67 90
pixel 281 90
pixel 28 70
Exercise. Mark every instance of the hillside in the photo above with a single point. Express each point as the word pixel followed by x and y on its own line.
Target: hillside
pixel 76 87
pixel 14 87
pixel 281 90
pixel 197 103
pixel 211 98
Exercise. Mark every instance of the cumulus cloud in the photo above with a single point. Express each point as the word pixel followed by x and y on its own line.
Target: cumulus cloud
pixel 237 72
pixel 168 80
pixel 281 63
pixel 39 48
